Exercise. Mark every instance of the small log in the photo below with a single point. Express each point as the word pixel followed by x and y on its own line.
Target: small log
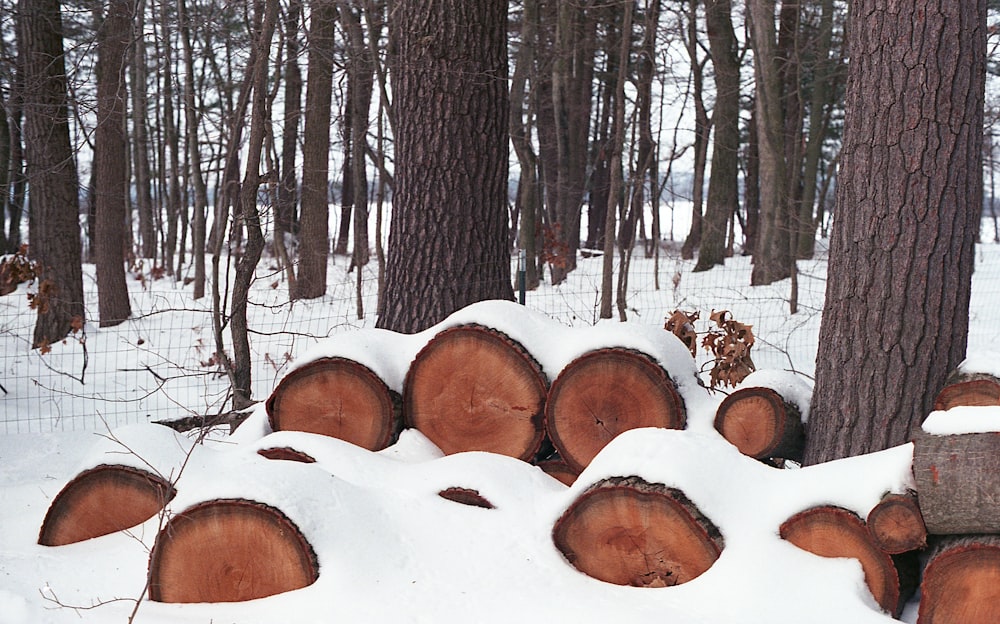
pixel 830 531
pixel 466 496
pixel 761 424
pixel 103 500
pixel 472 388
pixel 961 582
pixel 340 398
pixel 896 524
pixel 604 393
pixel 286 453
pixel 968 389
pixel 558 469
pixel 626 531
pixel 957 482
pixel 229 550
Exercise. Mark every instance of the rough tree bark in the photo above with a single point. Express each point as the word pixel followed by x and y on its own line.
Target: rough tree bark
pixel 909 197
pixel 449 231
pixel 110 161
pixel 53 225
pixel 723 189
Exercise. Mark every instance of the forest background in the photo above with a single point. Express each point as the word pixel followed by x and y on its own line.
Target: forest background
pixel 226 131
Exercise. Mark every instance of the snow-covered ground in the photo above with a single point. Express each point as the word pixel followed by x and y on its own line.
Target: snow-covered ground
pixel 390 549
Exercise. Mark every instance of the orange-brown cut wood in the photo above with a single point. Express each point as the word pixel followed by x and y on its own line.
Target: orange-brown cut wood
pixel 896 524
pixel 229 551
pixel 336 397
pixel 830 531
pixel 761 424
pixel 961 583
pixel 604 393
pixel 968 389
pixel 103 500
pixel 286 453
pixel 471 388
pixel 630 532
pixel 558 469
pixel 466 496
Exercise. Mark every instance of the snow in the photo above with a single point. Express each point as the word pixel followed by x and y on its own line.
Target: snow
pixel 963 419
pixel 391 550
pixel 980 360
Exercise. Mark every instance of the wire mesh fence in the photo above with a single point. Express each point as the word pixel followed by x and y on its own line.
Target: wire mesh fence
pixel 163 363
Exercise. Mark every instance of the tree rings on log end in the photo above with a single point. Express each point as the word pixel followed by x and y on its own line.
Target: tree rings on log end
pixel 471 388
pixel 974 390
pixel 604 393
pixel 339 398
pixel 629 532
pixel 558 469
pixel 760 423
pixel 961 582
pixel 103 500
pixel 466 496
pixel 897 525
pixel 286 453
pixel 229 550
pixel 836 532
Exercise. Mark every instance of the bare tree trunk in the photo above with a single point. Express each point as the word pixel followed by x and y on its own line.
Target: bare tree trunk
pixel 194 155
pixel 528 191
pixel 723 189
pixel 140 136
pixel 361 71
pixel 247 263
pixel 314 240
pixel 110 155
pixel 54 210
pixel 448 240
pixel 14 193
pixel 702 130
pixel 909 199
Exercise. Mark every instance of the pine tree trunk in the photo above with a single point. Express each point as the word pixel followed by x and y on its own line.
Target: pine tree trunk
pixel 110 155
pixel 449 231
pixel 909 196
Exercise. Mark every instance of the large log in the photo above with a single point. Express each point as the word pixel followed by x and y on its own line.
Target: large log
pixel 968 389
pixel 604 393
pixel 340 398
pixel 762 424
pixel 958 482
pixel 830 531
pixel 229 550
pixel 896 524
pixel 626 531
pixel 961 582
pixel 472 388
pixel 103 500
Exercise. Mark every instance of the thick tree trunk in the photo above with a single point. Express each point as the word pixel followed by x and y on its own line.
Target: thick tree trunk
pixel 723 190
pixel 474 389
pixel 604 393
pixel 449 232
pixel 909 198
pixel 314 233
pixel 110 156
pixel 627 531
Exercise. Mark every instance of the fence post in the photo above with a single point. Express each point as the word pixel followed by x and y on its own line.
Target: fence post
pixel 522 261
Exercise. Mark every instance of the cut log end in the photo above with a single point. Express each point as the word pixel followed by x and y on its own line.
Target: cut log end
pixel 761 424
pixel 103 500
pixel 466 496
pixel 973 390
pixel 229 550
pixel 604 393
pixel 286 453
pixel 472 388
pixel 836 532
pixel 559 470
pixel 340 398
pixel 629 532
pixel 897 525
pixel 961 582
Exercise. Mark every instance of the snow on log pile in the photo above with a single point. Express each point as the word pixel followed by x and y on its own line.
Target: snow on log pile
pixel 663 475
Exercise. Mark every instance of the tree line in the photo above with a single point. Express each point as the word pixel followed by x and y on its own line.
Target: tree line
pixel 205 131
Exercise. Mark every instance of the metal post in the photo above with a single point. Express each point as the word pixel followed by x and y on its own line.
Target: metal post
pixel 522 266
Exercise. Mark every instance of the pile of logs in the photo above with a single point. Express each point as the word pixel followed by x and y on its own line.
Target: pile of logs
pixel 473 388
